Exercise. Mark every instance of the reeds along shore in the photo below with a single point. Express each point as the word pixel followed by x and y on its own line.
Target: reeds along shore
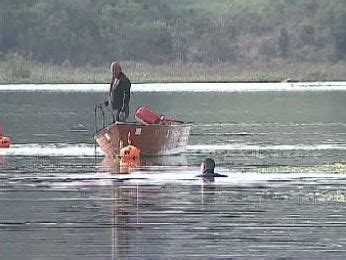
pixel 24 71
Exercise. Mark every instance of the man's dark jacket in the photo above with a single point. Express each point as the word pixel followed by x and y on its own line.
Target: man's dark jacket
pixel 120 95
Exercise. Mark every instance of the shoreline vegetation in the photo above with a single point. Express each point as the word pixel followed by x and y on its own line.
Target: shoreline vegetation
pixel 20 70
pixel 74 41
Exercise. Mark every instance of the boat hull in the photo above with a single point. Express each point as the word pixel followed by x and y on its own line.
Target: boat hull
pixel 152 140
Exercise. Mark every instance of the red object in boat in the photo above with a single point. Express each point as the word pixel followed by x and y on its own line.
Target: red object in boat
pixel 146 116
pixel 5 142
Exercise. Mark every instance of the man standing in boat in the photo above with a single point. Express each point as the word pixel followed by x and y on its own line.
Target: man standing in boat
pixel 119 93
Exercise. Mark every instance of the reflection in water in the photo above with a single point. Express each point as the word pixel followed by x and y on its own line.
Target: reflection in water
pixel 173 160
pixel 154 222
pixel 112 165
pixel 150 222
pixel 116 166
pixel 167 215
pixel 3 161
pixel 109 165
pixel 121 220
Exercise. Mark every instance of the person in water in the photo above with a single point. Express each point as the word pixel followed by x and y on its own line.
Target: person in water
pixel 208 167
pixel 119 93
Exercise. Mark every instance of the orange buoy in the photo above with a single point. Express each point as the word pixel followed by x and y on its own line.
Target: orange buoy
pixel 5 142
pixel 130 154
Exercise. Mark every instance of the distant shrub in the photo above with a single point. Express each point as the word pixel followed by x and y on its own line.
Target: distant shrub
pixel 66 64
pixel 18 68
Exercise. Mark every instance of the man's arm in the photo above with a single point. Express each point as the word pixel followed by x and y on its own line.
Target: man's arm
pixel 126 94
pixel 111 85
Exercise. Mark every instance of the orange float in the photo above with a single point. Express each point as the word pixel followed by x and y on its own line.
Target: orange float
pixel 5 142
pixel 130 154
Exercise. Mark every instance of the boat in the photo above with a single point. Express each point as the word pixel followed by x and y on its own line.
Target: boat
pixel 153 135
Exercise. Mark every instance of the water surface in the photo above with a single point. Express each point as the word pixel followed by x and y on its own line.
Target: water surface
pixel 282 146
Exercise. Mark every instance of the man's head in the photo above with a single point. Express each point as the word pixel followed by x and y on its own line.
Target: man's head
pixel 208 165
pixel 116 69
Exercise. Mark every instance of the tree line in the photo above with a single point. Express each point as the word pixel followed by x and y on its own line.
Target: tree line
pixel 94 32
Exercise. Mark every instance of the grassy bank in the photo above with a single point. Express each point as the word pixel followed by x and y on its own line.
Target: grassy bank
pixel 23 71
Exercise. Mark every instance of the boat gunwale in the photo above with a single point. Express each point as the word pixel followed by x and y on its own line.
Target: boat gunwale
pixel 177 124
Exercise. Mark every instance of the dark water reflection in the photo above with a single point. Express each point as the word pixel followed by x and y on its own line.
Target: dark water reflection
pixel 180 221
pixel 284 153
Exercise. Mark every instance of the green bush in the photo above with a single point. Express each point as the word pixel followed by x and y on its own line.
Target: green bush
pixel 163 31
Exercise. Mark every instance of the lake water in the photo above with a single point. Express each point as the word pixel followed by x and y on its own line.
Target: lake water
pixel 283 147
